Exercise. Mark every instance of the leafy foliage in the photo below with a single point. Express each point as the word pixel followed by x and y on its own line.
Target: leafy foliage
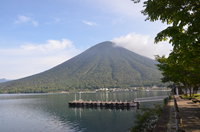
pixel 194 96
pixel 146 119
pixel 183 19
pixel 104 65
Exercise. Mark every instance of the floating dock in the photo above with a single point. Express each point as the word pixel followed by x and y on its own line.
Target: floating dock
pixel 104 104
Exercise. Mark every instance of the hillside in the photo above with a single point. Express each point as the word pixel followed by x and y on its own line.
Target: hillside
pixel 103 65
pixel 3 80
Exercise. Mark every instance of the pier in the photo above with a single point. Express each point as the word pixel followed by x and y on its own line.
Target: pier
pixel 113 104
pixel 104 104
pixel 150 99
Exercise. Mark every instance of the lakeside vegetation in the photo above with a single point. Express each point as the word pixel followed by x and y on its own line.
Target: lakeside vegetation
pixel 147 118
pixel 181 67
pixel 193 96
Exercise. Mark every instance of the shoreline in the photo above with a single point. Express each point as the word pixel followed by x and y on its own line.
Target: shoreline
pixel 147 89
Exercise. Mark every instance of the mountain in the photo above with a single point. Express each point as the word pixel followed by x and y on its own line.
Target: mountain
pixel 103 65
pixel 3 80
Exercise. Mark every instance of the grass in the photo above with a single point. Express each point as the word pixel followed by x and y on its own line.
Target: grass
pixel 194 96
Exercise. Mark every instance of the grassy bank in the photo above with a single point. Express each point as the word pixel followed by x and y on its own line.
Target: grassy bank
pixel 187 96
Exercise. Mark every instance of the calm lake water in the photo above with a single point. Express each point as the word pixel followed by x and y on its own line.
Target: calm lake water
pixel 50 112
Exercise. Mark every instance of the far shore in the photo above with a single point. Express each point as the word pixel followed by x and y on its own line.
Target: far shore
pixel 148 89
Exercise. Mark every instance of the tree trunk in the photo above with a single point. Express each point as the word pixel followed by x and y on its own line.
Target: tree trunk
pixel 190 89
pixel 195 89
pixel 186 90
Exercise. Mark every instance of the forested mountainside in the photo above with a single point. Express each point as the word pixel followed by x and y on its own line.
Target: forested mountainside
pixel 103 65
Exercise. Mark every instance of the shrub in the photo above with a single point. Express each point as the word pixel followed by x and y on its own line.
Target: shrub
pixel 146 119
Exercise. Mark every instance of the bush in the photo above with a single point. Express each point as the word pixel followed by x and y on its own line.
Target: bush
pixel 146 119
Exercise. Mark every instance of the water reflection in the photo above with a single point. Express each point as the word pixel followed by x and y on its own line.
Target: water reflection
pixel 50 112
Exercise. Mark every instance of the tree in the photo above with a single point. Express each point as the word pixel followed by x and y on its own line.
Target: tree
pixel 182 16
pixel 183 32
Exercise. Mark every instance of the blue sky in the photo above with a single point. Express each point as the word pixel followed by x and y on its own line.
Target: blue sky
pixel 39 34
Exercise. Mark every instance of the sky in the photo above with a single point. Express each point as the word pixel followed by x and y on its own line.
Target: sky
pixel 37 35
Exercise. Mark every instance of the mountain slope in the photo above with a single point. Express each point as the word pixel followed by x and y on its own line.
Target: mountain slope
pixel 103 65
pixel 3 80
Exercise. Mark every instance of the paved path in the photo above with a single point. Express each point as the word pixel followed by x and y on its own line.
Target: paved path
pixel 171 124
pixel 190 113
pixel 166 122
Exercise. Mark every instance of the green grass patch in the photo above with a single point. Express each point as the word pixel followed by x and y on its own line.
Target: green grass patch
pixel 194 96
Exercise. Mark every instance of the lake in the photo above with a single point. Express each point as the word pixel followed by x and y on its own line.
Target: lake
pixel 50 112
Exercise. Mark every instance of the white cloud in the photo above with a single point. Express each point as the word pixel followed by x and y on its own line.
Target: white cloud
pixel 21 19
pixel 29 59
pixel 143 45
pixel 89 23
pixel 51 45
